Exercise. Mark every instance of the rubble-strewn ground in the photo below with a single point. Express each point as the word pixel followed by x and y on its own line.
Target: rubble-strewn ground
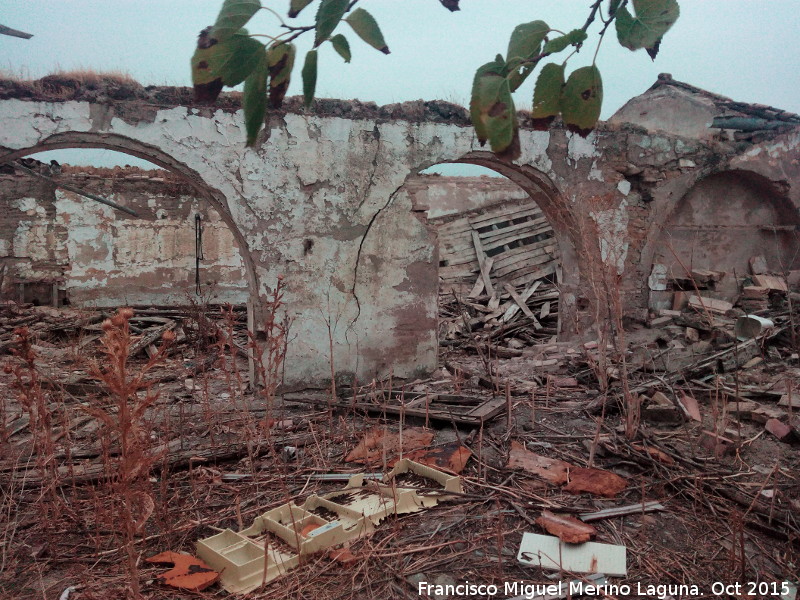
pixel 219 457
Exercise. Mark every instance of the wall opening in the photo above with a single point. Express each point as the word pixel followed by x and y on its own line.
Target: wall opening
pixel 60 248
pixel 486 224
pixel 717 230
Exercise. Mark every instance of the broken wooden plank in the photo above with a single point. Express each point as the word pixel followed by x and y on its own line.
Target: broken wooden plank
pixel 622 511
pixel 514 308
pixel 710 304
pixel 522 305
pixel 484 263
pixel 477 289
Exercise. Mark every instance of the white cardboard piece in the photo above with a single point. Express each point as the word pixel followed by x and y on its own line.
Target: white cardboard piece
pixel 550 553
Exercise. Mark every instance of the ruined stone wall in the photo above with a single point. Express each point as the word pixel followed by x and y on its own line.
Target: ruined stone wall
pixel 323 199
pixel 98 256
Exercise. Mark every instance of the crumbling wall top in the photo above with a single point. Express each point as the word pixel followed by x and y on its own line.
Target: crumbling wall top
pixel 101 88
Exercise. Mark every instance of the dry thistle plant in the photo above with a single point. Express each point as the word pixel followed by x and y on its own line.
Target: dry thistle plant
pixel 270 354
pixel 36 403
pixel 607 255
pixel 126 424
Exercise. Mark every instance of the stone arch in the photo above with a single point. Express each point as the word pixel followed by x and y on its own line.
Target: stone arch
pixel 724 219
pixel 118 143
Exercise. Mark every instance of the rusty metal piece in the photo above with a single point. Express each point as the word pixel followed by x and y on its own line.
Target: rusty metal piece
pixel 189 573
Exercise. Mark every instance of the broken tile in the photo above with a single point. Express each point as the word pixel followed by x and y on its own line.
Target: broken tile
pixel 567 529
pixel 755 292
pixel 550 469
pixel 706 277
pixel 595 481
pixel 690 407
pixel 764 413
pixel 550 553
pixel 718 444
pixel 790 400
pixel 780 430
pixel 380 444
pixel 451 457
pixel 742 409
pixel 188 572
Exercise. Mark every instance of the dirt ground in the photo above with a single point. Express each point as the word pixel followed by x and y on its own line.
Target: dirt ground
pixel 210 453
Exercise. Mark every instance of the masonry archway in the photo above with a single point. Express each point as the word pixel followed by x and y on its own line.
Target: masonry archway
pixel 488 229
pixel 520 227
pixel 719 225
pixel 558 241
pixel 125 145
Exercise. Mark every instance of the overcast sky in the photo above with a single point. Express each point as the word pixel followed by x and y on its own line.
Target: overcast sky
pixel 745 49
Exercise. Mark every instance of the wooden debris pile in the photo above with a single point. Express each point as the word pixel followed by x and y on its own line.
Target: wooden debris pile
pixel 498 269
pixel 509 319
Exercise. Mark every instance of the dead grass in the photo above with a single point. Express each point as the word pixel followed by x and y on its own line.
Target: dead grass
pixel 82 76
pixel 238 464
pixel 63 85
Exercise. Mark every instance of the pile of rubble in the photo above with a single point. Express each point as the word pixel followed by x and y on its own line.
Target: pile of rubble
pixel 740 350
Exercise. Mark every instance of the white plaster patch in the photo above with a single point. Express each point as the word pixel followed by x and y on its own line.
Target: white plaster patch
pixel 595 173
pixel 624 187
pixel 26 205
pixel 612 226
pixel 534 145
pixel 658 278
pixel 580 147
pixel 27 123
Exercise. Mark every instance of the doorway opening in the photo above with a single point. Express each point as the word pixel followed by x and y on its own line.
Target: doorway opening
pixel 499 262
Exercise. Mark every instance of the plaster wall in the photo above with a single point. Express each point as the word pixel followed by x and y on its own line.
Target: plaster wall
pixel 102 257
pixel 670 110
pixel 322 200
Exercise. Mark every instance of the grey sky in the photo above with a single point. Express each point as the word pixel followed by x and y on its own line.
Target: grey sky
pixel 745 49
